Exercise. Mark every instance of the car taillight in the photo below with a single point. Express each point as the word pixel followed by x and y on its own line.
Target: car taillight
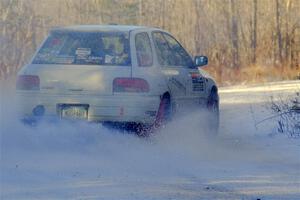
pixel 130 85
pixel 28 82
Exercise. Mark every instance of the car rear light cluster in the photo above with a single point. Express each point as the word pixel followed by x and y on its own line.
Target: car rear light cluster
pixel 130 85
pixel 28 82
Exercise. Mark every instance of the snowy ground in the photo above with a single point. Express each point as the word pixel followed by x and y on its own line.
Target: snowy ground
pixel 88 161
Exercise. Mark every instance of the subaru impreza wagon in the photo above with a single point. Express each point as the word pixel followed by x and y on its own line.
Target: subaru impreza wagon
pixel 114 73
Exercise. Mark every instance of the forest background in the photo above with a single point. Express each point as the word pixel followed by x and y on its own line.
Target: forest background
pixel 246 40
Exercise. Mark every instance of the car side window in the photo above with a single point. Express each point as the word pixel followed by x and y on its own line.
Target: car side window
pixel 179 55
pixel 170 52
pixel 143 50
pixel 162 49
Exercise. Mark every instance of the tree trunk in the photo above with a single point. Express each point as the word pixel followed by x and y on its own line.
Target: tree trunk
pixel 234 35
pixel 254 32
pixel 278 32
pixel 287 34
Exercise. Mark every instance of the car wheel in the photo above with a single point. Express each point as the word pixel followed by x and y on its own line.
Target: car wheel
pixel 163 113
pixel 162 117
pixel 214 113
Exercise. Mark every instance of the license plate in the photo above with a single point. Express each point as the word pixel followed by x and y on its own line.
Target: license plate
pixel 74 112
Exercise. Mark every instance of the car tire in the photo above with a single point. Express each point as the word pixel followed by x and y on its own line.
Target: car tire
pixel 214 113
pixel 162 117
pixel 163 113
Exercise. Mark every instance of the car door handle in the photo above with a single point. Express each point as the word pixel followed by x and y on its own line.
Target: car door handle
pixel 76 89
pixel 48 87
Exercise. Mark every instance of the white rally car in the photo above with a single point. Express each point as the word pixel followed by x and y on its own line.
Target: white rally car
pixel 114 73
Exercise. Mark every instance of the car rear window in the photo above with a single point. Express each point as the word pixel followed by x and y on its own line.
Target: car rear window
pixel 85 48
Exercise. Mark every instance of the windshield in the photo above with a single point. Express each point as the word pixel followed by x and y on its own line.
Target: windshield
pixel 82 48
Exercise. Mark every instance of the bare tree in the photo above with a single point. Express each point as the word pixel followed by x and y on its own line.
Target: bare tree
pixel 234 34
pixel 278 31
pixel 254 32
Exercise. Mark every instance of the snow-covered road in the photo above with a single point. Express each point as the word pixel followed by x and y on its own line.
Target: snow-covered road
pixel 88 161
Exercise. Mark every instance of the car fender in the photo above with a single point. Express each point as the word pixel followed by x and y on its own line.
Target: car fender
pixel 210 82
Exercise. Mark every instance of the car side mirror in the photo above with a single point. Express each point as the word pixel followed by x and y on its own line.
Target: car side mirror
pixel 201 61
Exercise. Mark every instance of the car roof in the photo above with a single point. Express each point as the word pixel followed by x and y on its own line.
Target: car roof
pixel 101 28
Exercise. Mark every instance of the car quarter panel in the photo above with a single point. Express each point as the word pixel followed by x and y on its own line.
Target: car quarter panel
pixel 152 73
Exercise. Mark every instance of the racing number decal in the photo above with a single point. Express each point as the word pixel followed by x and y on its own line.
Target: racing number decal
pixel 197 82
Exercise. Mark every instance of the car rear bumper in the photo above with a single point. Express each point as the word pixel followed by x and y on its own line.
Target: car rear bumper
pixel 114 108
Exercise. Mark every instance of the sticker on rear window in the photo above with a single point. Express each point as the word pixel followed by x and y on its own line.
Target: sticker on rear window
pixel 108 59
pixel 83 53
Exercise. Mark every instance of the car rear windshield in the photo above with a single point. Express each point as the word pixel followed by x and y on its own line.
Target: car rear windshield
pixel 85 48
